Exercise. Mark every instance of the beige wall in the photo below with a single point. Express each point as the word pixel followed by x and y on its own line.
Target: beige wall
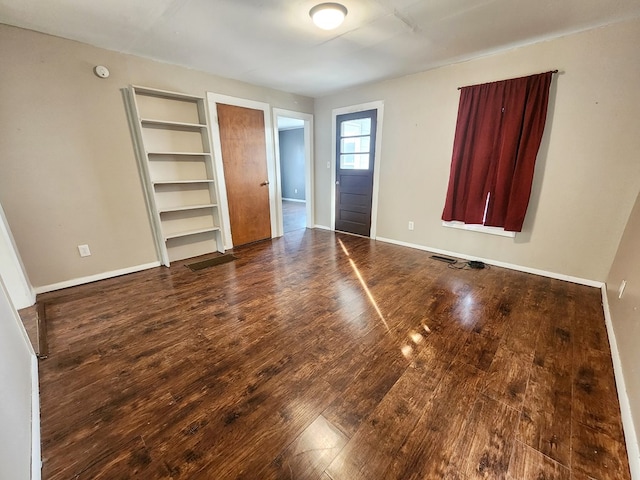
pixel 588 171
pixel 625 312
pixel 68 173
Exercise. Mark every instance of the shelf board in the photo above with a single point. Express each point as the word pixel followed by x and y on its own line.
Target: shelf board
pixel 180 182
pixel 190 232
pixel 155 92
pixel 150 122
pixel 186 207
pixel 182 154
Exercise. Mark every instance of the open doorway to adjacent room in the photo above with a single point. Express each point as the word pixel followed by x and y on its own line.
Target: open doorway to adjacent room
pixel 293 155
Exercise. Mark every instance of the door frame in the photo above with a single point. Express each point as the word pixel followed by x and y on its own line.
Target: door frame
pixel 375 105
pixel 274 185
pixel 308 163
pixel 12 270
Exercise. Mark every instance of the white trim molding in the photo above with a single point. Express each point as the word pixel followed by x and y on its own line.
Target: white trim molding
pixel 12 269
pixel 510 266
pixel 377 161
pixel 36 453
pixel 478 228
pixel 630 434
pixel 94 278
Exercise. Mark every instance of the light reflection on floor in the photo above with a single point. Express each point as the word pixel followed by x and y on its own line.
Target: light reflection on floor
pixel 465 310
pixel 364 285
pixel 417 338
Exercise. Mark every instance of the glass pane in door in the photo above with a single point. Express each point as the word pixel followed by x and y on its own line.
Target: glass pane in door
pixel 355 127
pixel 354 161
pixel 355 144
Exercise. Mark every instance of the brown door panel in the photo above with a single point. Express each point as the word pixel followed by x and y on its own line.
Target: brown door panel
pixel 354 181
pixel 357 217
pixel 244 159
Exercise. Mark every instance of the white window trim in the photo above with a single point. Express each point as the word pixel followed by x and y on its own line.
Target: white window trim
pixel 479 228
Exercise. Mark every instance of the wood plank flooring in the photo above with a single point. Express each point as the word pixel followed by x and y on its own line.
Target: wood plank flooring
pixel 294 215
pixel 328 356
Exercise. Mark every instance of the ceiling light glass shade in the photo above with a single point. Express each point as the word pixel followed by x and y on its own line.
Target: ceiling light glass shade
pixel 328 15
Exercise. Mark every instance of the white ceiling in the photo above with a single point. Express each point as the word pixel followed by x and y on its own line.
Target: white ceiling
pixel 273 42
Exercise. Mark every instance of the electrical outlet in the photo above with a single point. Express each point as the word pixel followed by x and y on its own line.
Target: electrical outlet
pixel 623 284
pixel 410 225
pixel 84 250
pixel 295 190
pixel 328 164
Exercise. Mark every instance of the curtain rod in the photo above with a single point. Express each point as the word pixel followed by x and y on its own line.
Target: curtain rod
pixel 460 88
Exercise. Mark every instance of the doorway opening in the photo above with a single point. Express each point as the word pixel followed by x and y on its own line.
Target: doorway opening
pixel 355 151
pixel 357 135
pixel 291 150
pixel 242 138
pixel 293 139
pixel 273 182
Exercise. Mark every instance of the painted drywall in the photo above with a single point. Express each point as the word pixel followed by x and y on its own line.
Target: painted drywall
pixel 625 311
pixel 587 174
pixel 16 357
pixel 292 166
pixel 11 268
pixel 68 171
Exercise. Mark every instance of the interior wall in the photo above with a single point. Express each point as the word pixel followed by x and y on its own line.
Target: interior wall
pixel 16 384
pixel 587 175
pixel 292 165
pixel 69 171
pixel 625 311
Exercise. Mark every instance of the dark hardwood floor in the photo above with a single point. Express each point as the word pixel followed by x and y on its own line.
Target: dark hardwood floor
pixel 327 356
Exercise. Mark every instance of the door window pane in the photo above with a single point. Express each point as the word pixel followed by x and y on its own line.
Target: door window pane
pixel 354 161
pixel 358 126
pixel 355 145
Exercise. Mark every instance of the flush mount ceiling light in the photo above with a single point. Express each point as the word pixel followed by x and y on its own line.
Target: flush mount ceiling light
pixel 328 15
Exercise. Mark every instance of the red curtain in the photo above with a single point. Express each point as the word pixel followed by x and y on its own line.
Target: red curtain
pixel 498 134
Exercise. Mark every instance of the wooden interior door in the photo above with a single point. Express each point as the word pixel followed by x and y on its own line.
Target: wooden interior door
pixel 355 154
pixel 244 159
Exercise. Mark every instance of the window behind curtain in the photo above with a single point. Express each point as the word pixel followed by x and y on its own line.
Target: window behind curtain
pixel 498 134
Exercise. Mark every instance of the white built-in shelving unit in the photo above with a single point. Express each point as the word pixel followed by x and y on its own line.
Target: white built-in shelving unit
pixel 173 140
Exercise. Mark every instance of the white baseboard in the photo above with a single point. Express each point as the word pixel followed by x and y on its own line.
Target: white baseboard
pixel 630 435
pixel 94 278
pixel 323 227
pixel 32 297
pixel 26 300
pixel 510 266
pixel 36 454
pixel 294 200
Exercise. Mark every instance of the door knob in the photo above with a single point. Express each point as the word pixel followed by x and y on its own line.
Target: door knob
pixel 266 182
